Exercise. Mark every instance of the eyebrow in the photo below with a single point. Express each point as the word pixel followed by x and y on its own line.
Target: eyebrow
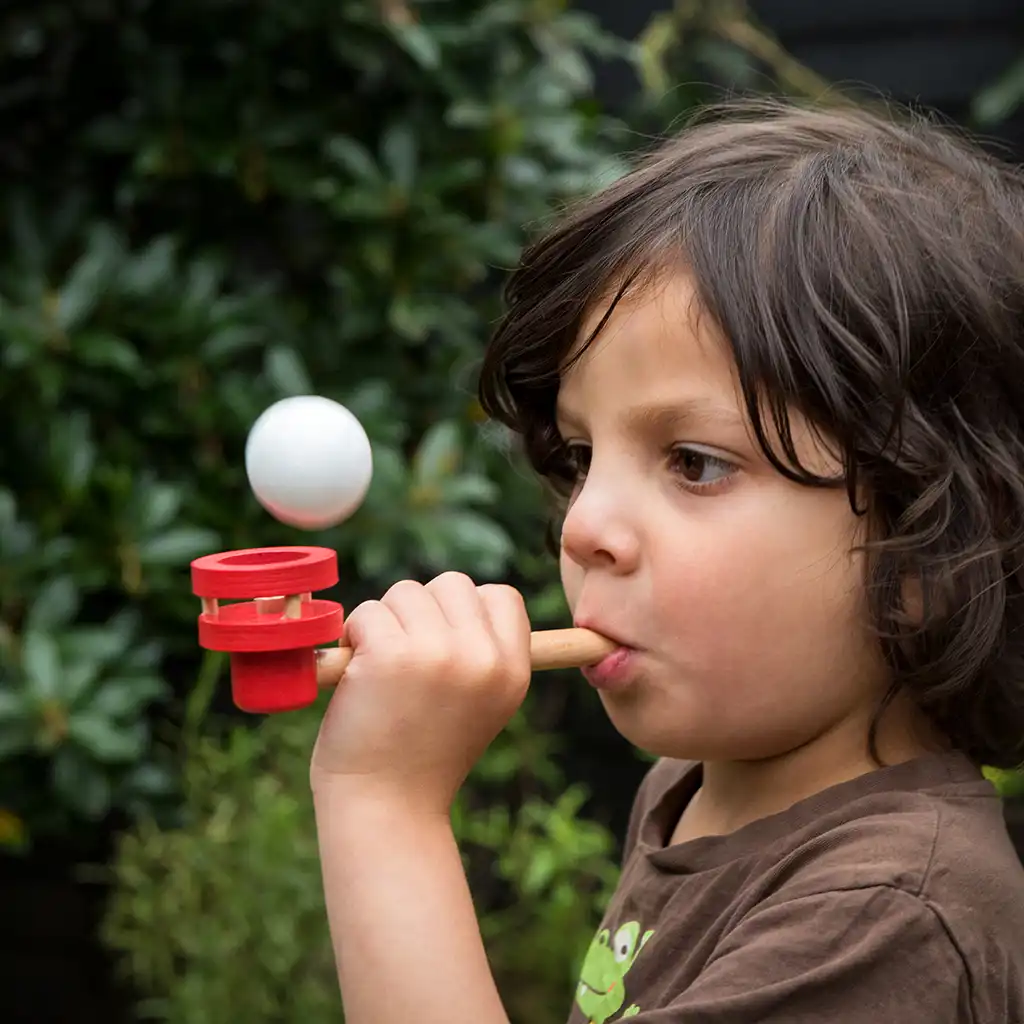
pixel 664 415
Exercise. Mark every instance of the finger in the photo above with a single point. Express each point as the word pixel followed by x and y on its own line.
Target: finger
pixel 371 625
pixel 331 663
pixel 416 609
pixel 510 625
pixel 459 600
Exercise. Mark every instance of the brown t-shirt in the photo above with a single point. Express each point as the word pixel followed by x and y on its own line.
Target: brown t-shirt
pixel 895 897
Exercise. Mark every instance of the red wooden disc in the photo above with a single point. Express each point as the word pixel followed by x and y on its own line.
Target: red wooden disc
pixel 264 572
pixel 243 627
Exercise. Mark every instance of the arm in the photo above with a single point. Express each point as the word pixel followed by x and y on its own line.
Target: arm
pixel 405 934
pixel 436 672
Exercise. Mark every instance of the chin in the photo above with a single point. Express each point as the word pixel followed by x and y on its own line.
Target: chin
pixel 662 735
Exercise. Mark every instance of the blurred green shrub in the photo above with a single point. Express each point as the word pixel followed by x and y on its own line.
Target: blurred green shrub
pixel 222 918
pixel 73 703
pixel 218 204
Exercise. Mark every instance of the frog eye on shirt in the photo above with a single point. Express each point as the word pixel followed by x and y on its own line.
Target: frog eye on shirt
pixel 624 942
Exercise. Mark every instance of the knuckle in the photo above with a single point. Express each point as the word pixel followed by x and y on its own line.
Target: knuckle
pixel 485 664
pixel 502 595
pixel 400 588
pixel 452 580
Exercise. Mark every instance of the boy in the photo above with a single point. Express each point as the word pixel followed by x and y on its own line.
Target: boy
pixel 776 378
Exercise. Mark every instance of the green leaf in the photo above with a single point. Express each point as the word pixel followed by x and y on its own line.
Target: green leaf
pixel 481 538
pixel 232 339
pixel 81 783
pixel 97 646
pixel 73 450
pixel 178 546
pixel 202 282
pixel 997 101
pixel 150 270
pixel 469 489
pixel 12 706
pixel 106 740
pixel 76 679
pixel 87 280
pixel 419 44
pixel 104 350
pixel 41 664
pixel 163 502
pixel 54 606
pixel 399 152
pixel 438 454
pixel 286 371
pixel 354 158
pixel 410 317
pixel 149 780
pixel 433 542
pixel 118 697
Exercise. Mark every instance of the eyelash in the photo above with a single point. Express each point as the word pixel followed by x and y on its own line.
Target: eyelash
pixel 574 449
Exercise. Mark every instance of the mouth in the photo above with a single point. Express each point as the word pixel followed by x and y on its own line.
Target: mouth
pixel 609 634
pixel 616 670
pixel 597 991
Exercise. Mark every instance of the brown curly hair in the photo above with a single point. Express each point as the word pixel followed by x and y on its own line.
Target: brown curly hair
pixel 868 269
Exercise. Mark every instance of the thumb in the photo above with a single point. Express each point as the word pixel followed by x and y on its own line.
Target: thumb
pixel 369 625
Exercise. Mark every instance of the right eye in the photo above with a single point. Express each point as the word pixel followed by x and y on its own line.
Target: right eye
pixel 577 456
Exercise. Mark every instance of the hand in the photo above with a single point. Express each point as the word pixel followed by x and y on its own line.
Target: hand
pixel 437 671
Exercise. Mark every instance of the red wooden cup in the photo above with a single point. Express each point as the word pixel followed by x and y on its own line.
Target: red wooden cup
pixel 273 630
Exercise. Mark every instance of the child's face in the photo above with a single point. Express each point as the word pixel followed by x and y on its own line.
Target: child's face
pixel 735 587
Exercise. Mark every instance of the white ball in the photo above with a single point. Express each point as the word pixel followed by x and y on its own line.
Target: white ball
pixel 309 461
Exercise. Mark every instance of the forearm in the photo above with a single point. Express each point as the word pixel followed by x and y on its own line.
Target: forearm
pixel 406 938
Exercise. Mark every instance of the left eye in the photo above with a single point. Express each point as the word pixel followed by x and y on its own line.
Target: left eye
pixel 697 467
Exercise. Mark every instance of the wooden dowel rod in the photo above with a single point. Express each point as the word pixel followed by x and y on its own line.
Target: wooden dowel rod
pixel 549 649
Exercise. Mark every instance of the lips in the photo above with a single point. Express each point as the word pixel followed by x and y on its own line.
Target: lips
pixel 596 627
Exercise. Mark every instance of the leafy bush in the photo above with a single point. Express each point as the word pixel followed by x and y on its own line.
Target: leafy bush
pixel 221 204
pixel 222 918
pixel 73 700
pixel 232 202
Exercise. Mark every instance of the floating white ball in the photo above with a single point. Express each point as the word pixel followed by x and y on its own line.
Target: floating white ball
pixel 309 461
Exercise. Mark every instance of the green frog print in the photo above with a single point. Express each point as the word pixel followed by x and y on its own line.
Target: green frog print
pixel 602 991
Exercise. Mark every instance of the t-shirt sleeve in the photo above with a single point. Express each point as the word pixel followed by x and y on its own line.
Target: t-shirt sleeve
pixel 865 956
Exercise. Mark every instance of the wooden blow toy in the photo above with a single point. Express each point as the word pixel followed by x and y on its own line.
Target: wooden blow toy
pixel 271 637
pixel 309 464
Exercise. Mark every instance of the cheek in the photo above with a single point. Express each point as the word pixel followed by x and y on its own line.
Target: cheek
pixel 764 596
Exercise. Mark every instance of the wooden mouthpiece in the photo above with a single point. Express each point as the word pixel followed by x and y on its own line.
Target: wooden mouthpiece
pixel 549 649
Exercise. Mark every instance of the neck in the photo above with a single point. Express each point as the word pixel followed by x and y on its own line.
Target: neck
pixel 735 793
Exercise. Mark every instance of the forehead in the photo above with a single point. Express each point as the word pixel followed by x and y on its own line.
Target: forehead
pixel 660 363
pixel 657 345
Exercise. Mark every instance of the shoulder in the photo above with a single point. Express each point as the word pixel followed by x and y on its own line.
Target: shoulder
pixel 916 864
pixel 940 848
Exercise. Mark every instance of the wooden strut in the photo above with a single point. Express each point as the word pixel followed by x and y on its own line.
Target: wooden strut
pixel 549 649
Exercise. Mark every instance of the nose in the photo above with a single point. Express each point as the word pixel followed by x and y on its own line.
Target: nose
pixel 599 529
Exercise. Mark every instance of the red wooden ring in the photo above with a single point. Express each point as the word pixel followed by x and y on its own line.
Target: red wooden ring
pixel 243 627
pixel 264 572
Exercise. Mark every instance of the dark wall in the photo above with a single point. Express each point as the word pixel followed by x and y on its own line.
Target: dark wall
pixel 937 53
